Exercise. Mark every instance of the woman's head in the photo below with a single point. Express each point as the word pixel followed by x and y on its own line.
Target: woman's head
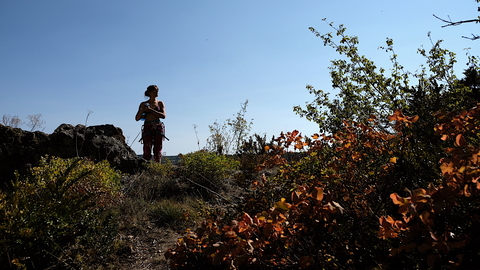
pixel 151 88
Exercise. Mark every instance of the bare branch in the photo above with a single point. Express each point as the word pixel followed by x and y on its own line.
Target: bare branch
pixel 12 121
pixel 35 122
pixel 449 22
pixel 474 37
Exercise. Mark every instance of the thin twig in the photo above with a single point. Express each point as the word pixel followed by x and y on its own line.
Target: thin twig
pixel 84 131
pixel 196 134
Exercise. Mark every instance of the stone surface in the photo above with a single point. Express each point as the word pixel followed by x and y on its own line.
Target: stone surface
pixel 20 149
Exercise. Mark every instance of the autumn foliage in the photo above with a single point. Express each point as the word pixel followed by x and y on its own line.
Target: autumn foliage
pixel 440 221
pixel 343 201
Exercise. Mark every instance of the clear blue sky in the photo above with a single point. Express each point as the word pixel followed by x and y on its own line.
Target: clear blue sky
pixel 64 59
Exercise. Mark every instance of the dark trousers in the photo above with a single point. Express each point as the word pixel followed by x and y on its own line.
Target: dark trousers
pixel 153 135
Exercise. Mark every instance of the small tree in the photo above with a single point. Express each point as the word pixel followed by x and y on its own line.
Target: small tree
pixel 227 137
pixel 35 122
pixel 364 89
pixel 219 138
pixel 12 121
pixel 239 127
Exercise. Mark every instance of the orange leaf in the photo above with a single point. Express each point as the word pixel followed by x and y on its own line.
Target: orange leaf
pixel 420 195
pixel 395 116
pixel 242 226
pixel 393 160
pixel 424 217
pixel 447 168
pixel 277 228
pixel 383 221
pixel 317 194
pixel 415 118
pixel 397 199
pixel 299 145
pixel 475 158
pixel 460 140
pixel 466 191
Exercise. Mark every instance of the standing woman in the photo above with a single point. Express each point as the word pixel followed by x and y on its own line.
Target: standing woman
pixel 153 130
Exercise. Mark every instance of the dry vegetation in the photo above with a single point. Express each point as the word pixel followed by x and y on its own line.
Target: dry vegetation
pixel 81 215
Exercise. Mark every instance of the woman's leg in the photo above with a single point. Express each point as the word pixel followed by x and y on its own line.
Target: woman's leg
pixel 147 137
pixel 158 143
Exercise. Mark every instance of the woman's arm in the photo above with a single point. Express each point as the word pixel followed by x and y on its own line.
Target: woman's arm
pixel 163 111
pixel 160 113
pixel 141 110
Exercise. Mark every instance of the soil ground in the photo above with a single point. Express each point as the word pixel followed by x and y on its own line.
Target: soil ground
pixel 144 244
pixel 146 250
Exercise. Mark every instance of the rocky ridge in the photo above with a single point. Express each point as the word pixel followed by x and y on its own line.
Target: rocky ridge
pixel 20 149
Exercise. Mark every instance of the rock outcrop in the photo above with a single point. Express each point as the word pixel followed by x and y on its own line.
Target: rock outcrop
pixel 20 149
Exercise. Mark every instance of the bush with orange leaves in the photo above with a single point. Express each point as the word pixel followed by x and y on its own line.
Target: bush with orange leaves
pixel 326 204
pixel 323 200
pixel 439 224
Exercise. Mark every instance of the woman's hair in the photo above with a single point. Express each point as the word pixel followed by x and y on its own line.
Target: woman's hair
pixel 150 88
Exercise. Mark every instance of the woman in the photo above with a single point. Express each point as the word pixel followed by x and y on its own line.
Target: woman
pixel 153 129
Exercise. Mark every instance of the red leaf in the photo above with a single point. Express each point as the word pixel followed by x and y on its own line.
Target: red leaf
pixel 247 219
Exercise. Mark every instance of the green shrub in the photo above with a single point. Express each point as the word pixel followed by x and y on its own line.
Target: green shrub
pixel 172 213
pixel 62 209
pixel 208 169
pixel 157 182
pixel 132 214
pixel 161 170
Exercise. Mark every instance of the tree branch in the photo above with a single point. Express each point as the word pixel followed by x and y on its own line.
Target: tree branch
pixel 452 23
pixel 474 37
pixel 449 22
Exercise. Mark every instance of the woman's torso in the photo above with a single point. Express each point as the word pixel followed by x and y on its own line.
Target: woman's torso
pixel 156 106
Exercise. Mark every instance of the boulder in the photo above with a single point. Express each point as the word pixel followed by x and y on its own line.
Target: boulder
pixel 20 149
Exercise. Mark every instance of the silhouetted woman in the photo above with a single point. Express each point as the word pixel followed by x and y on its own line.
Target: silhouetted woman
pixel 153 130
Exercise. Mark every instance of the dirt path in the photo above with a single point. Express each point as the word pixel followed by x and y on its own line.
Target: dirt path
pixel 146 250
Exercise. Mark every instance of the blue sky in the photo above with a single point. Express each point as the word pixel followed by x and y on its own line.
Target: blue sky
pixel 66 59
